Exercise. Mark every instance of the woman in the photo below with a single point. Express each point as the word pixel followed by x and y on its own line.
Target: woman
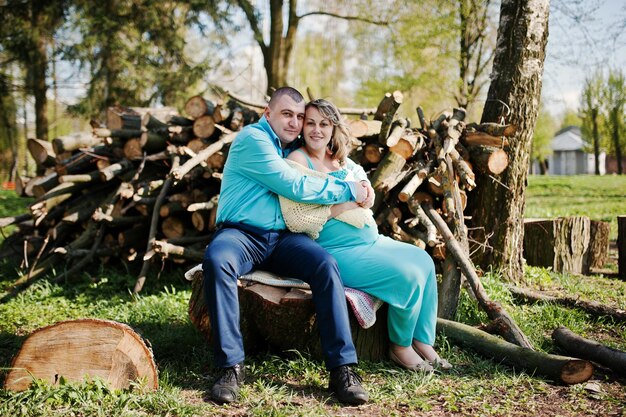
pixel 398 273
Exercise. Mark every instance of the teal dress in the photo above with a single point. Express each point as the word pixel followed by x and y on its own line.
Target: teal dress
pixel 398 273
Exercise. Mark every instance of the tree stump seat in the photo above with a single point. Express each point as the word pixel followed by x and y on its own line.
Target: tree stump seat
pixel 281 316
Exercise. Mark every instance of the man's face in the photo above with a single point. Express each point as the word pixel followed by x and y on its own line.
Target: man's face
pixel 285 118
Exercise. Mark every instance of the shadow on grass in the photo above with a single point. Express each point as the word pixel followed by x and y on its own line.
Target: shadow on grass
pixel 10 345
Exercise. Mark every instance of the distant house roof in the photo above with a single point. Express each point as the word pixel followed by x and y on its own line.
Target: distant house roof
pixel 568 139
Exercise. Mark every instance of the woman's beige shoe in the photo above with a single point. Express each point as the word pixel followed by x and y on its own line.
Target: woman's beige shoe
pixel 438 364
pixel 418 367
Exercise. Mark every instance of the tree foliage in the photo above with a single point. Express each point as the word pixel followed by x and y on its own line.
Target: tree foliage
pixel 133 52
pixel 591 110
pixel 614 95
pixel 542 138
pixel 27 30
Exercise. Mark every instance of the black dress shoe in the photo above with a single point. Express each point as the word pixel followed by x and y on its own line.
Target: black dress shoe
pixel 226 387
pixel 346 384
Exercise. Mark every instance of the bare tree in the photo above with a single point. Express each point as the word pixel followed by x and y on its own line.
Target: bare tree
pixel 591 105
pixel 475 53
pixel 278 49
pixel 497 206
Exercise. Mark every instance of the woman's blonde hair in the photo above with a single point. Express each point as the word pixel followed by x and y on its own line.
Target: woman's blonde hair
pixel 338 144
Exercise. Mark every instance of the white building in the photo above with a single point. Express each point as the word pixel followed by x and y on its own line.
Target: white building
pixel 569 156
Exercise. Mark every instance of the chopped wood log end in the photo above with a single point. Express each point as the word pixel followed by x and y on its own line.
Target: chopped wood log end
pixel 576 371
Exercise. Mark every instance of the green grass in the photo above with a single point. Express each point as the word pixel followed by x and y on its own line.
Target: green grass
pixel 293 384
pixel 597 197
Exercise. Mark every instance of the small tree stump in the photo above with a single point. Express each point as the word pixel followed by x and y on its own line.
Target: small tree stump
pixel 561 243
pixel 282 319
pixel 83 349
pixel 621 246
pixel 599 244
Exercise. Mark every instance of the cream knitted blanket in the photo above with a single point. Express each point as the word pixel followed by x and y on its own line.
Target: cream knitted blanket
pixel 310 218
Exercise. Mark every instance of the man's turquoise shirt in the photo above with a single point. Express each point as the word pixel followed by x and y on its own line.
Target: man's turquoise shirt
pixel 255 173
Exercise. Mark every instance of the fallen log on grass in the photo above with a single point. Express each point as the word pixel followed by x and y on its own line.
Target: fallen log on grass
pixel 588 349
pixel 86 348
pixel 557 368
pixel 592 307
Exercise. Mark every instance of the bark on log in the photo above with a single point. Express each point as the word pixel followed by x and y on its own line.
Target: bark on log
pixel 557 368
pixel 75 141
pixel 284 319
pixel 561 244
pixel 489 160
pixel 83 349
pixel 480 138
pixel 621 246
pixel 509 329
pixel 592 307
pixel 588 349
pixel 123 118
pixel 598 244
pixel 41 151
pixel 389 168
pixel 385 112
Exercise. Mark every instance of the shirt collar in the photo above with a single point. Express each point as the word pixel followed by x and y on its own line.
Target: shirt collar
pixel 264 124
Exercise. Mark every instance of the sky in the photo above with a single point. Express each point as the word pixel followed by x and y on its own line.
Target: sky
pixel 578 45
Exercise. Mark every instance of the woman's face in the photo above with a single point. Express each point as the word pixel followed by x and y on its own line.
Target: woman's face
pixel 317 131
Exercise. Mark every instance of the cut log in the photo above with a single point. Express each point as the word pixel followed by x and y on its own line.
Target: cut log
pixel 621 246
pixel 84 349
pixel 598 244
pixel 389 168
pixel 385 113
pixel 123 118
pixel 489 160
pixel 198 106
pixel 592 307
pixel 557 368
pixel 41 151
pixel 588 349
pixel 75 141
pixel 480 138
pixel 494 129
pixel 364 128
pixel 561 244
pixel 204 126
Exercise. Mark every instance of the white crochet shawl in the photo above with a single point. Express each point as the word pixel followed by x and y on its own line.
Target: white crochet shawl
pixel 310 218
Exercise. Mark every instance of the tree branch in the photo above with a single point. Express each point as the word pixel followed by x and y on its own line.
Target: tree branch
pixel 248 9
pixel 357 18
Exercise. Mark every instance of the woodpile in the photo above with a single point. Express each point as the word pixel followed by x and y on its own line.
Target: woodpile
pixel 144 186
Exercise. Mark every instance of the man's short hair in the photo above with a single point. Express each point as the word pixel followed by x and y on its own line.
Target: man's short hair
pixel 289 91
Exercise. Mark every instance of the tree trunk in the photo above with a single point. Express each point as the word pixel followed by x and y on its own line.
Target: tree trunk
pixel 83 348
pixel 616 113
pixel 37 67
pixel 596 140
pixel 497 208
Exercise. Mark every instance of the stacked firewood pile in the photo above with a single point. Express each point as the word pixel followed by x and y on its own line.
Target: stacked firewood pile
pixel 144 185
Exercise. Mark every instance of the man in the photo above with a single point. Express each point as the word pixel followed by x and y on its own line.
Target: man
pixel 253 235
